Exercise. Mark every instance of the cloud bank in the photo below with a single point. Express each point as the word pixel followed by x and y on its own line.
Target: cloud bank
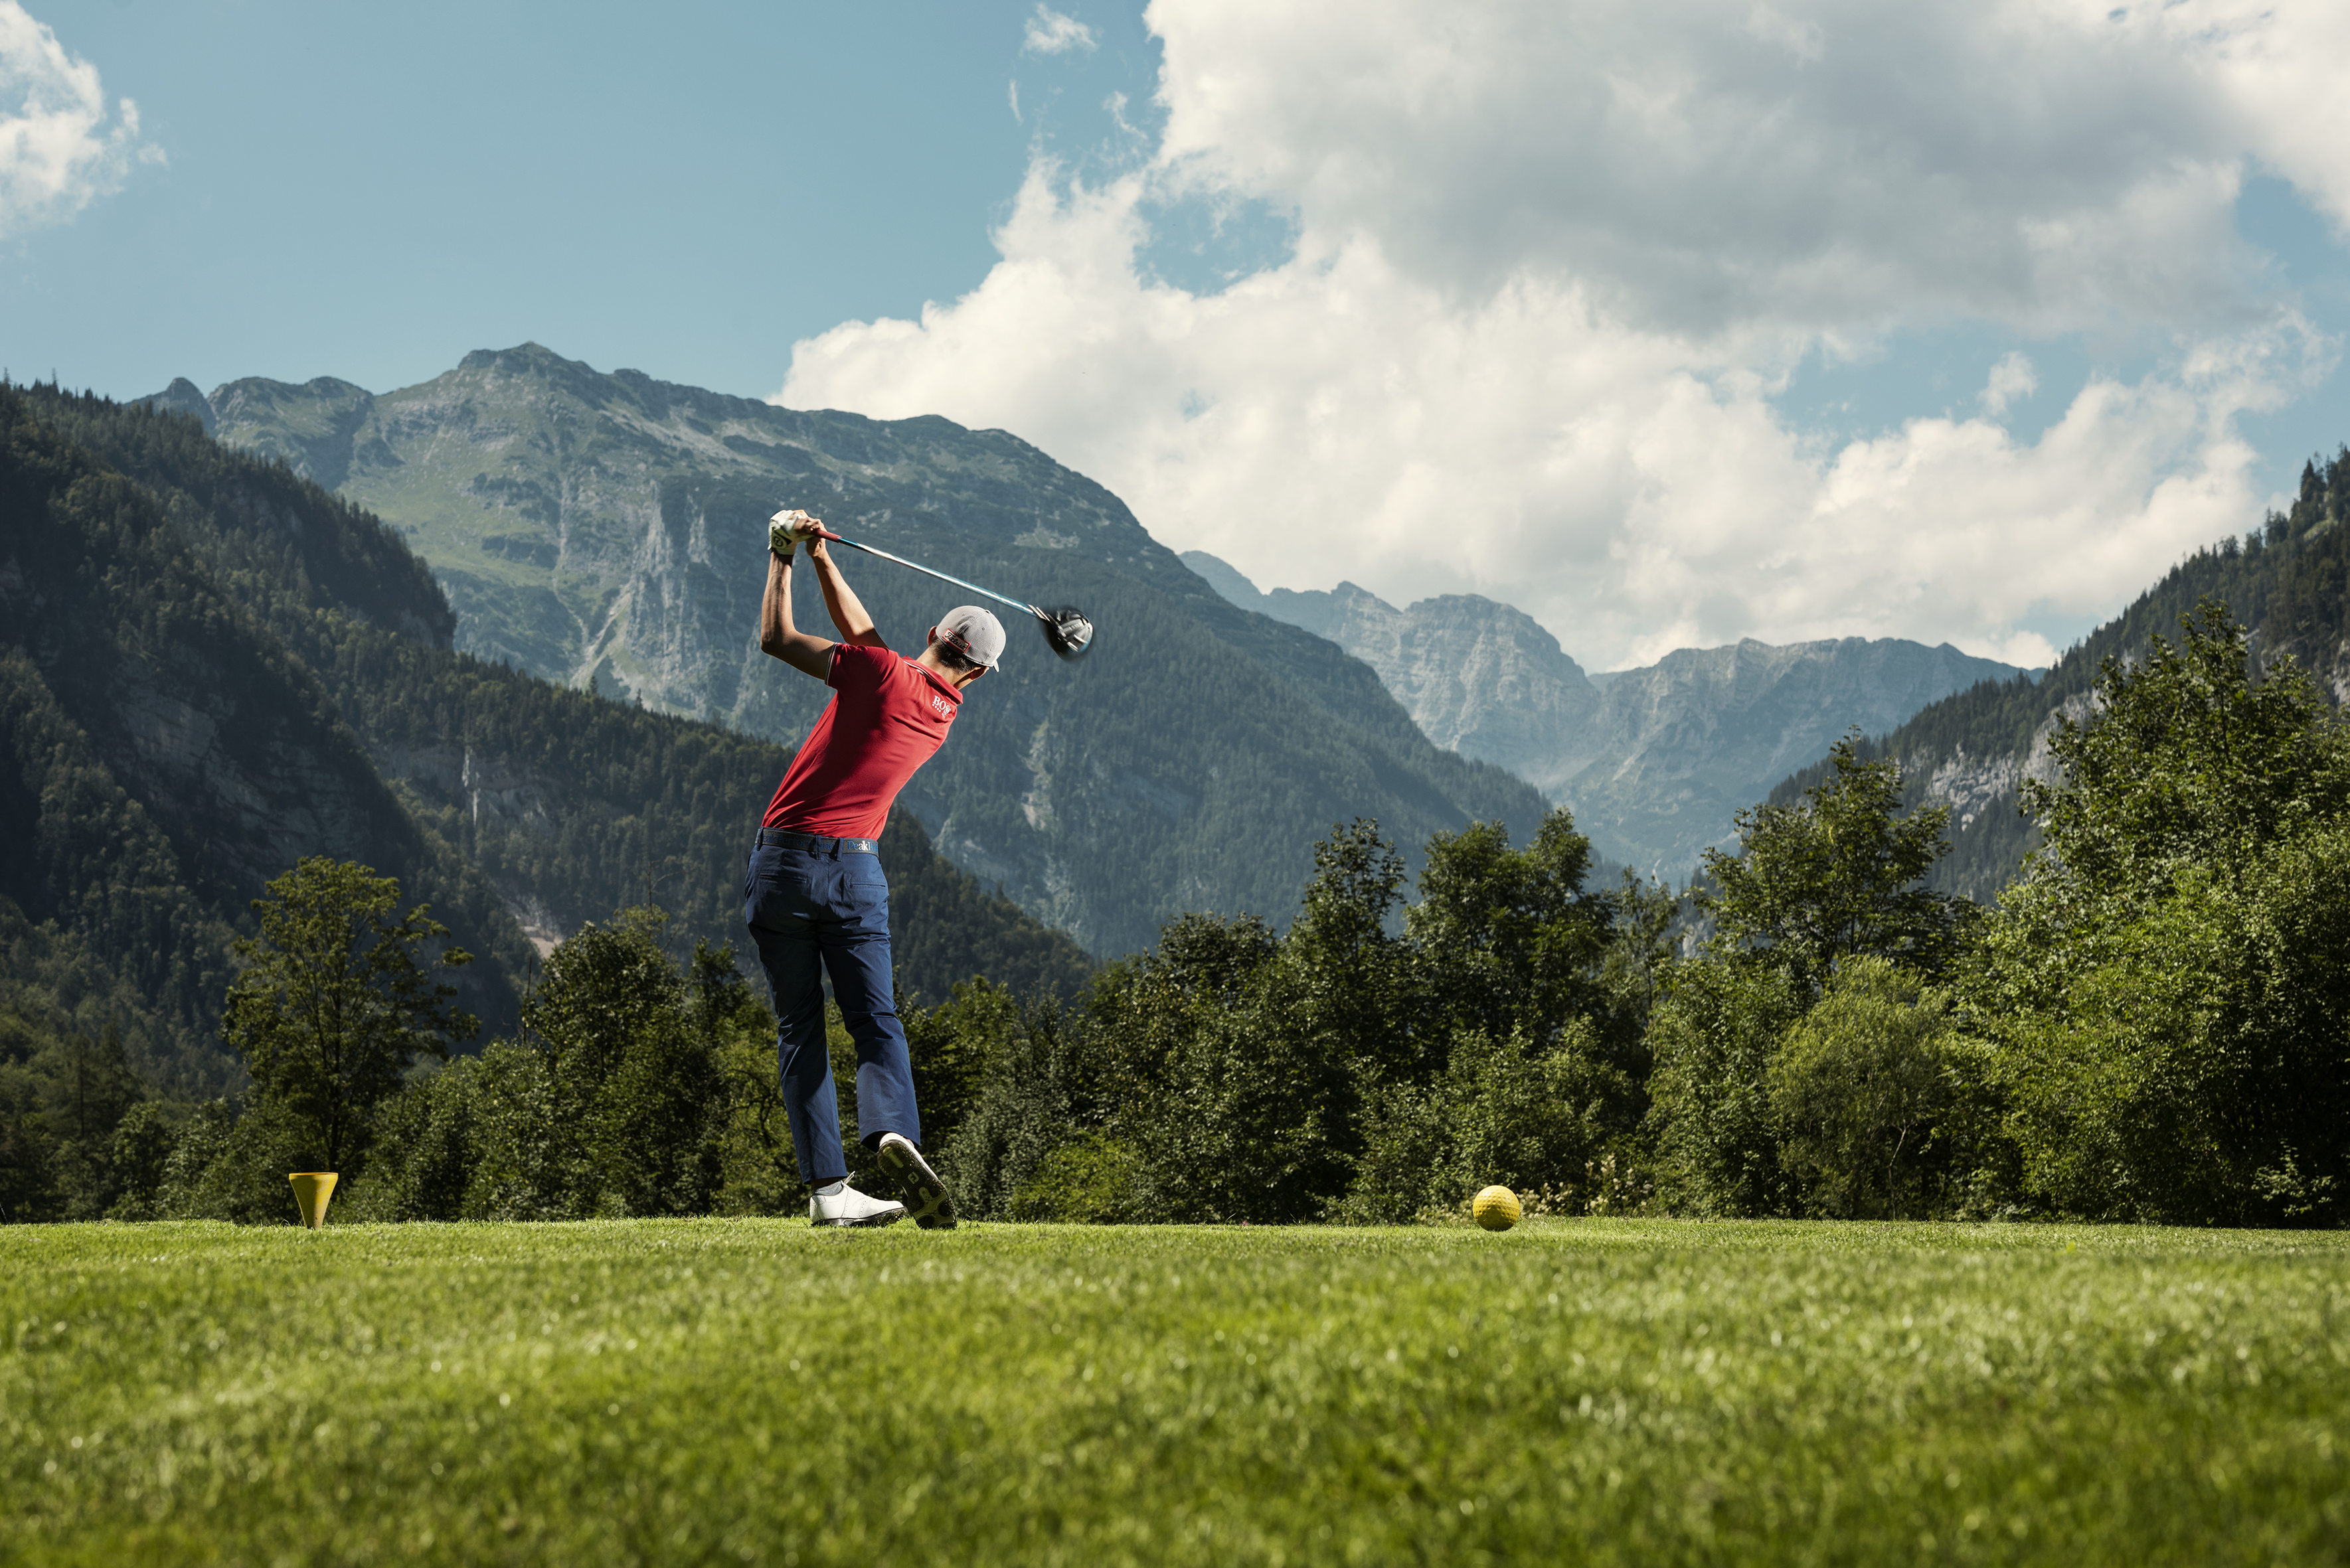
pixel 62 145
pixel 1553 265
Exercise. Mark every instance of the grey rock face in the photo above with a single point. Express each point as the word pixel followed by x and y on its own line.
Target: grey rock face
pixel 1479 678
pixel 1684 744
pixel 1655 763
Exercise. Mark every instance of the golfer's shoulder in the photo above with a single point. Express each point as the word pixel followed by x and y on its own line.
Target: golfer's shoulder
pixel 865 664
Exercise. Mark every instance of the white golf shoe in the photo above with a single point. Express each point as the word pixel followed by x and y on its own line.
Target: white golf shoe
pixel 843 1205
pixel 927 1198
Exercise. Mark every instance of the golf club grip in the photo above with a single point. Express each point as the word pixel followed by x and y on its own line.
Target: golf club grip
pixel 916 566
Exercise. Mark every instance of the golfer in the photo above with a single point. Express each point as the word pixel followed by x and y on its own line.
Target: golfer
pixel 814 892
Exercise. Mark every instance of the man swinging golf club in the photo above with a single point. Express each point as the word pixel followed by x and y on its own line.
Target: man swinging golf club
pixel 814 892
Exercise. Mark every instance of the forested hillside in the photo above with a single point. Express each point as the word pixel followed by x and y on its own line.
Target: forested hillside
pixel 2289 580
pixel 213 667
pixel 213 759
pixel 608 532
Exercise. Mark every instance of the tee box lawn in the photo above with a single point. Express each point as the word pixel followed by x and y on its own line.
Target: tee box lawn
pixel 753 1391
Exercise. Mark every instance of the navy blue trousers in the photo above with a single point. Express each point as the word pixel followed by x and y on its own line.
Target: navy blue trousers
pixel 805 909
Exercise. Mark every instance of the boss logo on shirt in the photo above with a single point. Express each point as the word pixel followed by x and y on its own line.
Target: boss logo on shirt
pixel 941 706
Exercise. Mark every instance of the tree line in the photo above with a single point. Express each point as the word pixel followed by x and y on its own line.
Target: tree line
pixel 2148 1026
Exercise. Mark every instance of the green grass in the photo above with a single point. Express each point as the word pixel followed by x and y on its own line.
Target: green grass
pixel 1579 1390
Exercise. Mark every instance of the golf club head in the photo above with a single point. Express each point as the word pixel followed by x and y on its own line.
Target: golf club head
pixel 1066 628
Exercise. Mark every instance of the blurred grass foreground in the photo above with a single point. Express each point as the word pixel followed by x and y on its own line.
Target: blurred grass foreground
pixel 751 1391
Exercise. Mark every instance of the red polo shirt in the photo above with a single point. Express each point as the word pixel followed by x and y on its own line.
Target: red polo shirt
pixel 887 716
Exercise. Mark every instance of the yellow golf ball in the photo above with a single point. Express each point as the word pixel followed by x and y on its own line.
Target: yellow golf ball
pixel 1496 1209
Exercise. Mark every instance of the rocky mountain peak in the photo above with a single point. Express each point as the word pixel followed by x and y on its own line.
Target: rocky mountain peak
pixel 182 398
pixel 1655 761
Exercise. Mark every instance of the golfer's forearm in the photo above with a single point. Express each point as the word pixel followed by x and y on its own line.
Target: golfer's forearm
pixel 840 601
pixel 778 638
pixel 776 611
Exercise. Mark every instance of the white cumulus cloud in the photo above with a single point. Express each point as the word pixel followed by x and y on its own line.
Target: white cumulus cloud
pixel 1051 33
pixel 62 145
pixel 1552 264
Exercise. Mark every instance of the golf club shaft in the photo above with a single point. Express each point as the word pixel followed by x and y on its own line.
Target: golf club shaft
pixel 975 588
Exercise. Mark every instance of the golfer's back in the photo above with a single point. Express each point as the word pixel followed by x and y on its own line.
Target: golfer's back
pixel 888 715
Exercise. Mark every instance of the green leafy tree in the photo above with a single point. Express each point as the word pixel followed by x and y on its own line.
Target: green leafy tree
pixel 338 999
pixel 2167 987
pixel 202 1140
pixel 28 1150
pixel 2189 760
pixel 1836 875
pixel 642 1087
pixel 426 1150
pixel 950 1045
pixel 636 1101
pixel 1273 1091
pixel 1234 1074
pixel 1637 963
pixel 1509 936
pixel 90 1086
pixel 1234 1060
pixel 1346 985
pixel 1037 1098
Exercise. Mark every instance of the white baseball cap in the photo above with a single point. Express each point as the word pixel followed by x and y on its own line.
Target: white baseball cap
pixel 974 633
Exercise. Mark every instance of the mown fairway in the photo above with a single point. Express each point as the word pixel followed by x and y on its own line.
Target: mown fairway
pixel 1579 1390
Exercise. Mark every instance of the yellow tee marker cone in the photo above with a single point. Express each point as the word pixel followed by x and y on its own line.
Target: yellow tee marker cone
pixel 313 1190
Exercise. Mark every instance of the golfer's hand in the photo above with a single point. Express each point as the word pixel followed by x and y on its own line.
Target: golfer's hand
pixel 789 529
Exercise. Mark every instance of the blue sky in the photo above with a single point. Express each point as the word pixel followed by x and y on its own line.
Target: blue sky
pixel 1298 294
pixel 372 191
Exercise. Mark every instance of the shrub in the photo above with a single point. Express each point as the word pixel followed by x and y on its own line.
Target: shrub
pixel 425 1150
pixel 1869 1096
pixel 1712 1039
pixel 142 1144
pixel 1501 1112
pixel 1033 1089
pixel 1088 1180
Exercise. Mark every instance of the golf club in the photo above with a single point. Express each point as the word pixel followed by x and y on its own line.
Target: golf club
pixel 1066 625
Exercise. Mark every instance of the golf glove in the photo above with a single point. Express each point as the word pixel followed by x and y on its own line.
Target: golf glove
pixel 789 529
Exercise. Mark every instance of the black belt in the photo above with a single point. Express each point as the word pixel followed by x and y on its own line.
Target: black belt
pixel 777 838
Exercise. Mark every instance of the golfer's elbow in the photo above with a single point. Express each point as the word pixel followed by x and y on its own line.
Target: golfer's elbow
pixel 774 640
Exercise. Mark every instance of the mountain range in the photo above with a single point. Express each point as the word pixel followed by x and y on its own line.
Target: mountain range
pixel 605 532
pixel 608 531
pixel 1655 761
